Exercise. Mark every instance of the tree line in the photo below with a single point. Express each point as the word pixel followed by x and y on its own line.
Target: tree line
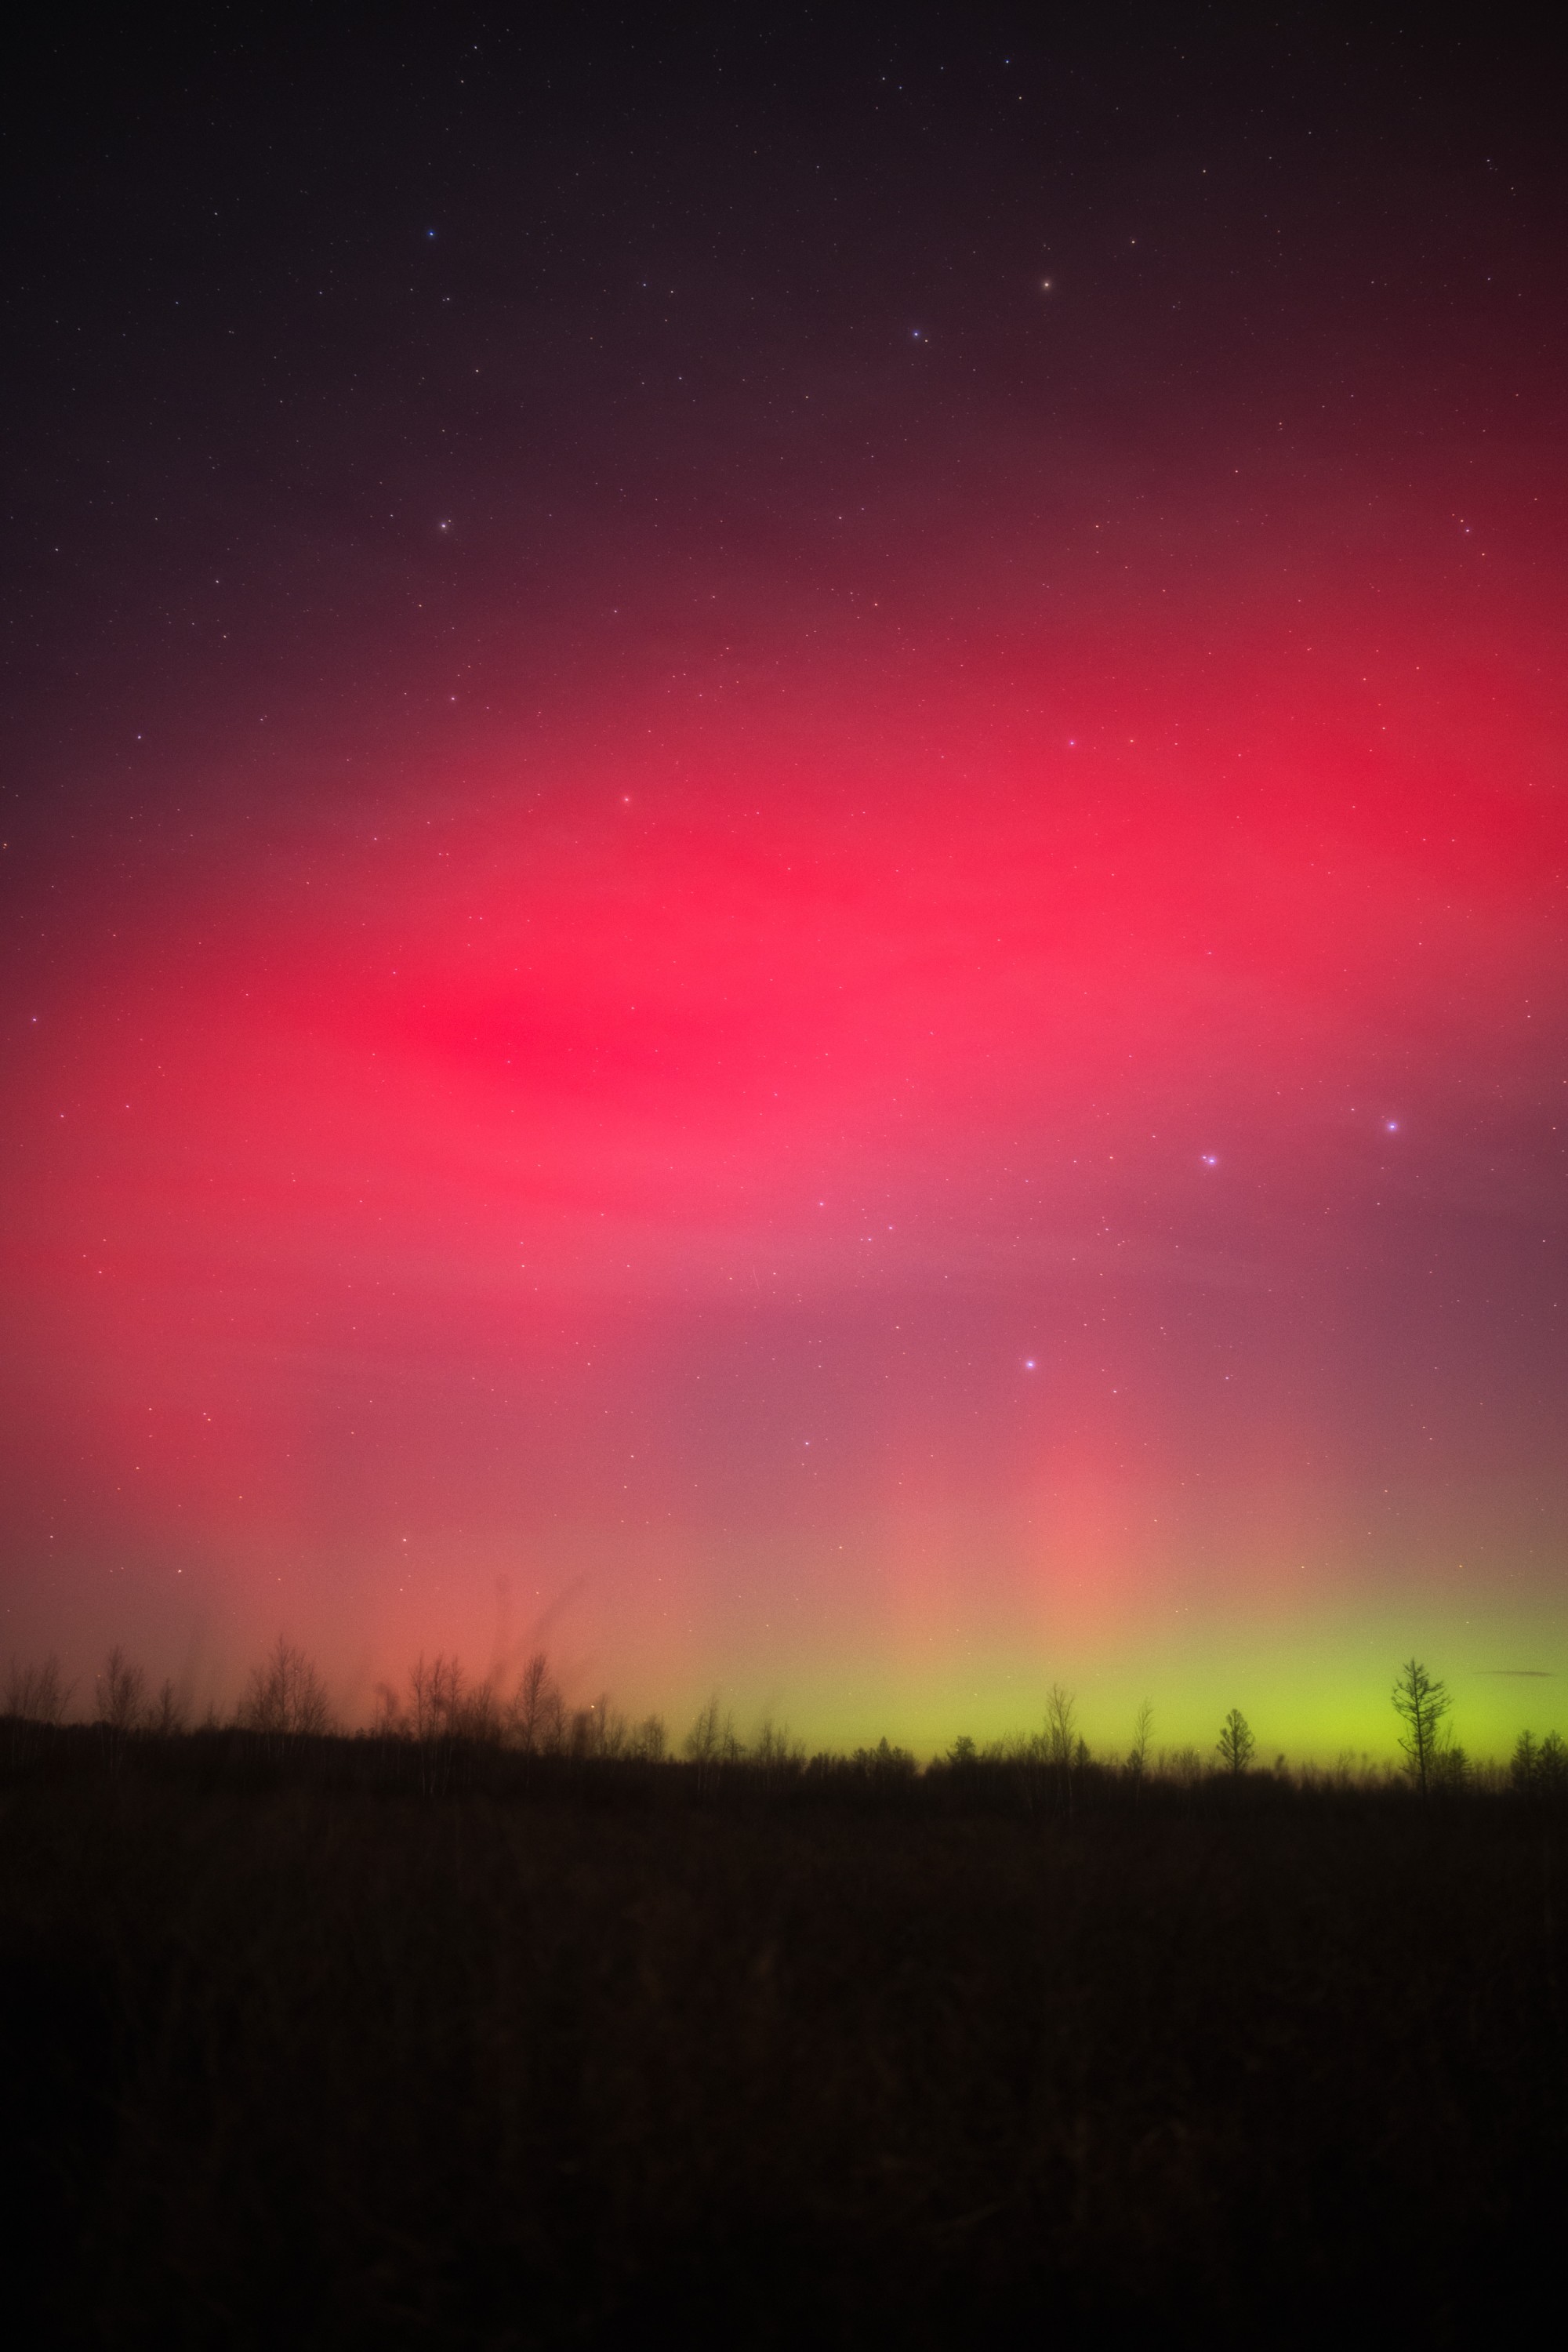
pixel 440 1707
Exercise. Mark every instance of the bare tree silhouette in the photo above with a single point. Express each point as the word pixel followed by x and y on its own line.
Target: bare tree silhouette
pixel 443 1706
pixel 647 1742
pixel 387 1719
pixel 774 1758
pixel 422 1720
pixel 711 1739
pixel 536 1718
pixel 1236 1742
pixel 477 1715
pixel 599 1730
pixel 1421 1703
pixel 122 1693
pixel 167 1714
pixel 1064 1748
pixel 445 1696
pixel 1061 1719
pixel 701 1742
pixel 285 1695
pixel 1142 1728
pixel 36 1694
pixel 122 1705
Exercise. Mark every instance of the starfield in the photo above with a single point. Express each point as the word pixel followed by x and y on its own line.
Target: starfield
pixel 784 1080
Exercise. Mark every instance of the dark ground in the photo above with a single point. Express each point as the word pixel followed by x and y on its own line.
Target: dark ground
pixel 295 2054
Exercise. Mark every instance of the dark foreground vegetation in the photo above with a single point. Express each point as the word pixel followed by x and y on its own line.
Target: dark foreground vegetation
pixel 304 2046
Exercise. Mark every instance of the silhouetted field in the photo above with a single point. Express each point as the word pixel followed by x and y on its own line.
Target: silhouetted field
pixel 336 2042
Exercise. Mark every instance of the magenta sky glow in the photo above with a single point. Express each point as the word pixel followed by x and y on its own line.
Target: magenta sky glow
pixel 842 984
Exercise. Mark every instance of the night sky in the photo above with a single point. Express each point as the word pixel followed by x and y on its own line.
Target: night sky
pixel 784 876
